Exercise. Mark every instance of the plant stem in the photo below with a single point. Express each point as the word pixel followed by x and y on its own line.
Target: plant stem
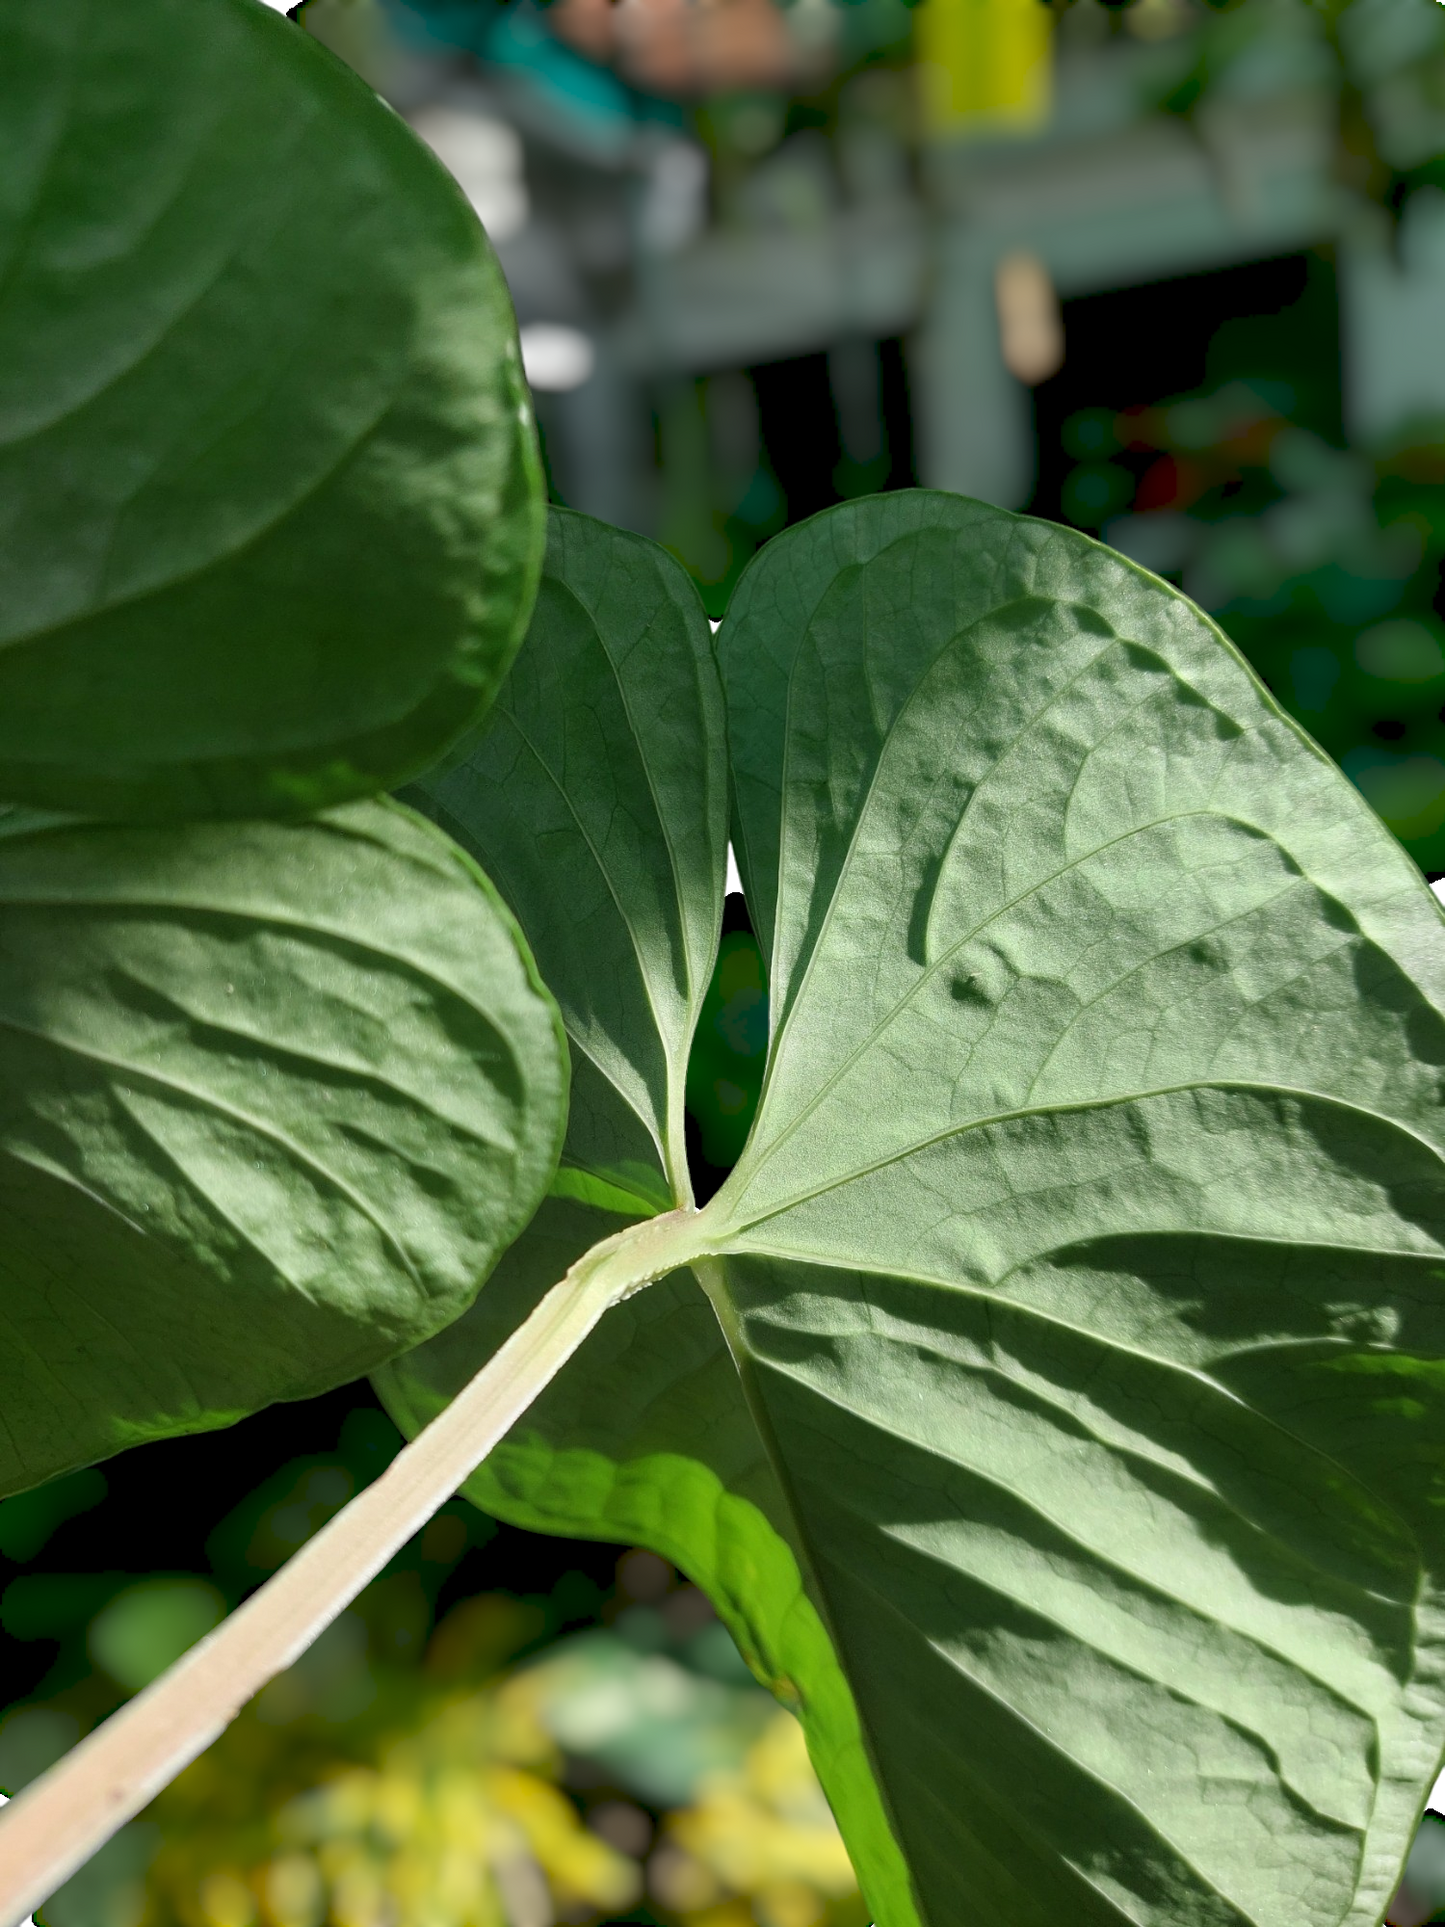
pixel 60 1820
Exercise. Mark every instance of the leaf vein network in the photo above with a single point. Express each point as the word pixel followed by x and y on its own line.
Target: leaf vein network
pixel 602 869
pixel 878 1423
pixel 233 1114
pixel 945 957
pixel 1045 1739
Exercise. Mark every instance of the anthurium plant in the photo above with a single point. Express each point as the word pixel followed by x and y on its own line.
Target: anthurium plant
pixel 1052 1399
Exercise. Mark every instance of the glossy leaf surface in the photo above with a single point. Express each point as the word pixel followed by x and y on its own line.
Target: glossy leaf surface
pixel 269 501
pixel 1085 1271
pixel 273 1099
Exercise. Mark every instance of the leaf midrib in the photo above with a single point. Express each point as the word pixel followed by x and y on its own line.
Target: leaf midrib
pixel 662 817
pixel 732 1227
pixel 662 1123
pixel 674 1155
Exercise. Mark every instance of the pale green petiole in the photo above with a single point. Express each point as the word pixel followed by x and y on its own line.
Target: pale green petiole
pixel 59 1821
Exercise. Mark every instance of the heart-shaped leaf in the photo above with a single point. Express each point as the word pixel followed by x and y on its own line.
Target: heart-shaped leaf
pixel 269 502
pixel 272 1099
pixel 1084 1274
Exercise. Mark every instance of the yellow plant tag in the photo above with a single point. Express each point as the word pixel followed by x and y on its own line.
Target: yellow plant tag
pixel 984 66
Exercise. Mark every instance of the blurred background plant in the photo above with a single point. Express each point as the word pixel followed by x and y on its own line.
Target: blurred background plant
pixel 1170 270
pixel 617 1777
pixel 441 1757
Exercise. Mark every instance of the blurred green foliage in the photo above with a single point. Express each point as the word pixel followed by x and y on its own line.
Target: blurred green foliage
pixel 466 1769
pixel 725 1070
pixel 147 1627
pixel 405 1775
pixel 28 1520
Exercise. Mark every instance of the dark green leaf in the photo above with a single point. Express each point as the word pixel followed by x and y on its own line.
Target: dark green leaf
pixel 269 501
pixel 272 1099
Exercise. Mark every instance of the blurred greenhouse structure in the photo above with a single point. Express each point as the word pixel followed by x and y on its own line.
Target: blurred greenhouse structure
pixel 1173 273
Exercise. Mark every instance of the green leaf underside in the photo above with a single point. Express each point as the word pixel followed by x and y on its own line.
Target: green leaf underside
pixel 271 505
pixel 273 1099
pixel 1084 1270
pixel 595 796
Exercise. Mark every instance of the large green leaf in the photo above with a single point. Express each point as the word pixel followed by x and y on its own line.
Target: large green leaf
pixel 272 1099
pixel 596 799
pixel 596 796
pixel 1084 1273
pixel 269 502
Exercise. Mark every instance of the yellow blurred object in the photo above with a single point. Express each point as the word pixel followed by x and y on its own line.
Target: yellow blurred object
pixel 984 66
pixel 226 1901
pixel 1158 19
pixel 352 1794
pixel 764 1835
pixel 451 1824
